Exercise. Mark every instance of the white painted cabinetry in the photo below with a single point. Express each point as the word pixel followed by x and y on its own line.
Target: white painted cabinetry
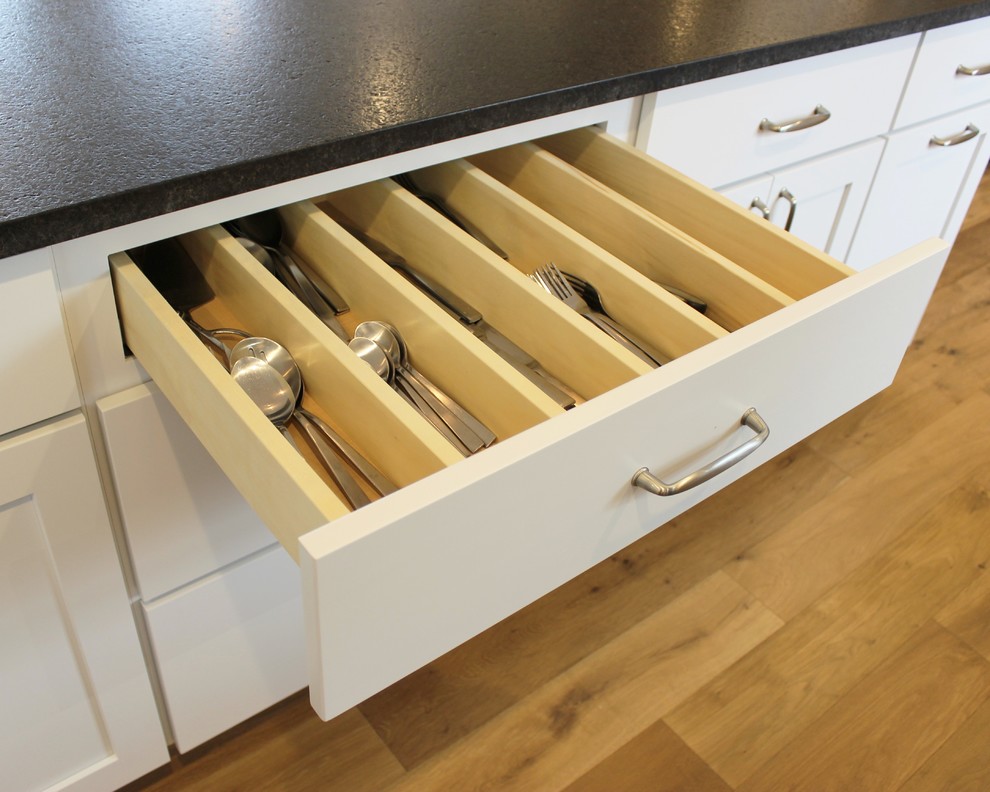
pixel 387 588
pixel 36 376
pixel 77 708
pixel 952 70
pixel 819 200
pixel 921 189
pixel 221 600
pixel 76 705
pixel 896 99
pixel 718 131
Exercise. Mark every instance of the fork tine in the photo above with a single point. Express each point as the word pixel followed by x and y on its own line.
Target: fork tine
pixel 540 277
pixel 563 288
pixel 575 281
pixel 537 277
pixel 580 286
pixel 551 277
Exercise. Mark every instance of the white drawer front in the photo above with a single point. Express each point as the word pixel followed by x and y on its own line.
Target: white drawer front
pixel 711 130
pixel 465 542
pixel 229 646
pixel 922 190
pixel 939 83
pixel 392 587
pixel 37 380
pixel 182 517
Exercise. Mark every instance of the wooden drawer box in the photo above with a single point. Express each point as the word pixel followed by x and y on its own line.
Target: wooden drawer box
pixel 467 541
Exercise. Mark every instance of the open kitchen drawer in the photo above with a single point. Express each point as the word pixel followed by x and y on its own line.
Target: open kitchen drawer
pixel 466 541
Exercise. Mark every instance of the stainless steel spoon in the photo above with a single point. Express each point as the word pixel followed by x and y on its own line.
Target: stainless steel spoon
pixel 384 366
pixel 266 229
pixel 267 389
pixel 471 432
pixel 295 281
pixel 326 443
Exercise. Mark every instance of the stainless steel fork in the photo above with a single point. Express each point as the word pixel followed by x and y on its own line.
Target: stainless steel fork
pixel 551 279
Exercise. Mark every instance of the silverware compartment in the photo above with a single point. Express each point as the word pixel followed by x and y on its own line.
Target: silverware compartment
pixel 338 387
pixel 782 260
pixel 563 342
pixel 533 237
pixel 659 250
pixel 460 364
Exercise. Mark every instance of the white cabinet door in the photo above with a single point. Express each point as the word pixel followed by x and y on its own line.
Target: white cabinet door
pixel 229 646
pixel 78 711
pixel 823 198
pixel 922 189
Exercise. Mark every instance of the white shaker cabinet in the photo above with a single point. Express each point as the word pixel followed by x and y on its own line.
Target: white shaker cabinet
pixel 221 601
pixel 77 708
pixel 820 200
pixel 801 122
pixel 923 189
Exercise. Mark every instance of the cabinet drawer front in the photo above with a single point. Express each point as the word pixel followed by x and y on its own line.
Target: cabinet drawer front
pixel 940 82
pixel 467 541
pixel 229 646
pixel 30 310
pixel 182 518
pixel 921 190
pixel 392 587
pixel 711 131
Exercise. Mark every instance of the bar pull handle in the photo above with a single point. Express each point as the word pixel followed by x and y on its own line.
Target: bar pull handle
pixel 759 206
pixel 973 71
pixel 819 116
pixel 646 480
pixel 788 196
pixel 970 132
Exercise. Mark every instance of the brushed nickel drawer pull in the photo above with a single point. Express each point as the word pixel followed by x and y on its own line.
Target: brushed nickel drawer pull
pixel 788 196
pixel 819 116
pixel 759 206
pixel 973 71
pixel 646 480
pixel 970 132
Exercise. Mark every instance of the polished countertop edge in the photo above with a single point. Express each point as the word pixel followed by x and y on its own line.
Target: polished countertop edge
pixel 71 221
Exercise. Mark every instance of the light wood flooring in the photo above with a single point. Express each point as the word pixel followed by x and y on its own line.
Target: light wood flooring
pixel 822 624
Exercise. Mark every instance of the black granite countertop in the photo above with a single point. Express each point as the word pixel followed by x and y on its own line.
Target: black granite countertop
pixel 113 111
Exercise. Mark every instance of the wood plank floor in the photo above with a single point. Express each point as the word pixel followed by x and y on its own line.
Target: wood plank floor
pixel 822 624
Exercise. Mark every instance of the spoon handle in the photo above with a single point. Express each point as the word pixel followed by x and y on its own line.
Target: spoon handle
pixel 338 472
pixel 351 454
pixel 457 413
pixel 301 286
pixel 330 295
pixel 405 389
pixel 640 347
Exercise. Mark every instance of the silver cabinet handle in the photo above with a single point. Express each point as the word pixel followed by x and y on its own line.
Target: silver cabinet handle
pixel 819 116
pixel 788 196
pixel 973 71
pixel 970 132
pixel 646 480
pixel 759 206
